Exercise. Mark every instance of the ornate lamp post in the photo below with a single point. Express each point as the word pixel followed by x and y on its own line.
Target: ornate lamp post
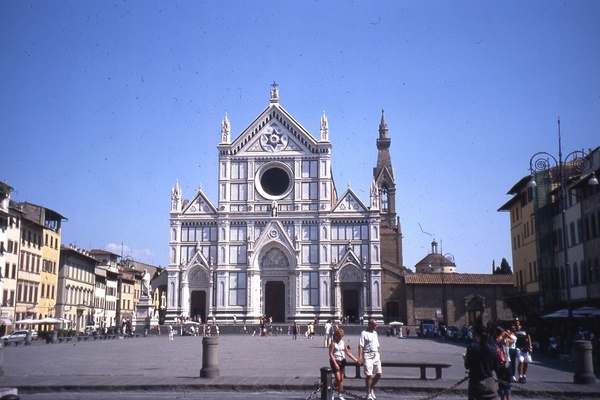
pixel 574 163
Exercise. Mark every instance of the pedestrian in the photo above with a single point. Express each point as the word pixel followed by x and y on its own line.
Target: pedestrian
pixel 512 351
pixel 337 360
pixel 295 329
pixel 328 333
pixel 524 350
pixel 170 332
pixel 370 357
pixel 158 329
pixel 481 360
pixel 504 338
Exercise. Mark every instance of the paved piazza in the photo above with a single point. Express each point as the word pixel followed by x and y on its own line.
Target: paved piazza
pixel 245 362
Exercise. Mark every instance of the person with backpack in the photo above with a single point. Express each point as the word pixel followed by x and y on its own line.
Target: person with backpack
pixel 504 374
pixel 481 360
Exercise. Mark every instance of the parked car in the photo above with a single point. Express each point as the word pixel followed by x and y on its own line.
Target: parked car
pixel 18 337
pixel 427 328
pixel 90 330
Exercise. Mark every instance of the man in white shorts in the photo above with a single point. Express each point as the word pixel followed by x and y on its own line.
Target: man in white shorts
pixel 369 355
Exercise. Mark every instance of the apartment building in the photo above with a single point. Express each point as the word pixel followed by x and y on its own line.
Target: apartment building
pixel 76 287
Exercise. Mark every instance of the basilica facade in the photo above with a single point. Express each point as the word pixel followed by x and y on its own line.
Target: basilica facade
pixel 280 241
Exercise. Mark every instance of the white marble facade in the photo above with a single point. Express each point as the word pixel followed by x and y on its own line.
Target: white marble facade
pixel 280 241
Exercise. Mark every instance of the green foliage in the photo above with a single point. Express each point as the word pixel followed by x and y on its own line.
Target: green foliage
pixel 503 269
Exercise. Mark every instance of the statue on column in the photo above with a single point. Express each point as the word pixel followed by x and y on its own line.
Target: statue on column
pixel 146 287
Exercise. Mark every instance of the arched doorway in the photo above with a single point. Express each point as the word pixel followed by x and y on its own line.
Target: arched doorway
pixel 198 305
pixel 475 308
pixel 351 286
pixel 351 304
pixel 274 265
pixel 275 300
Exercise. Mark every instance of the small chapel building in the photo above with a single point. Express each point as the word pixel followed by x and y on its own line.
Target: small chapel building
pixel 280 241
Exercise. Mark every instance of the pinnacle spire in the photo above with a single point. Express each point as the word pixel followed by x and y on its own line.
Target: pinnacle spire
pixel 383 129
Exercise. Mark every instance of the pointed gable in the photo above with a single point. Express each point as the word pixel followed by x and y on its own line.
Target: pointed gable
pixel 385 175
pixel 350 257
pixel 199 205
pixel 274 232
pixel 273 131
pixel 349 202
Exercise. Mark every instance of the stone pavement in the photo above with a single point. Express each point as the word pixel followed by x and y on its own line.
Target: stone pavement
pixel 251 363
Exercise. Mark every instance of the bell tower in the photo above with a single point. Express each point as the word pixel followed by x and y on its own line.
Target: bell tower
pixel 383 176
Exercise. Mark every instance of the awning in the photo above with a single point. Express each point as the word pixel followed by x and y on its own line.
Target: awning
pixel 5 321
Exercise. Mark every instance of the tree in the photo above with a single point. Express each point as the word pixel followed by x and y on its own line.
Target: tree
pixel 504 268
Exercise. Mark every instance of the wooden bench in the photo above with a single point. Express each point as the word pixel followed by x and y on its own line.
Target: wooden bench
pixel 423 366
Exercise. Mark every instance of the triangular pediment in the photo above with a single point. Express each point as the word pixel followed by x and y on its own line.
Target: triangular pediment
pixel 272 236
pixel 349 202
pixel 385 176
pixel 350 257
pixel 274 131
pixel 274 232
pixel 200 205
pixel 197 269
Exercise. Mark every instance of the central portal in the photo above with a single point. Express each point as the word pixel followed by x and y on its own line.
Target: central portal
pixel 350 305
pixel 198 306
pixel 275 300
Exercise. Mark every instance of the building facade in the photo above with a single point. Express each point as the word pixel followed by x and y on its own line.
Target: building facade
pixel 555 239
pixel 76 287
pixel 280 241
pixel 10 240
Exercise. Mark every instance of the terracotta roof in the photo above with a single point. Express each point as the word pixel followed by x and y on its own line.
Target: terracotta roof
pixel 100 251
pixel 435 260
pixel 459 279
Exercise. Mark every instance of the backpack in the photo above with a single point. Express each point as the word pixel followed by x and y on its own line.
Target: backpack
pixel 503 360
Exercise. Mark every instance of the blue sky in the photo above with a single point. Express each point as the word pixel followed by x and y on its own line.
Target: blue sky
pixel 106 104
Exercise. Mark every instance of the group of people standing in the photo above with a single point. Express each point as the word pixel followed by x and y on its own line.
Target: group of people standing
pixel 505 352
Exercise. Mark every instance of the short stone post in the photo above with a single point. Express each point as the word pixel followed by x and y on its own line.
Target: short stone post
pixel 1 360
pixel 54 336
pixel 28 337
pixel 326 384
pixel 210 367
pixel 584 367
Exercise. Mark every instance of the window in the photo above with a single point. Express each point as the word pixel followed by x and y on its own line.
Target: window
pixel 187 252
pixel 237 254
pixel 349 232
pixel 239 170
pixel 384 199
pixel 310 254
pixel 237 233
pixel 572 231
pixel 309 169
pixel 310 288
pixel 310 232
pixel 239 192
pixel 310 191
pixel 237 288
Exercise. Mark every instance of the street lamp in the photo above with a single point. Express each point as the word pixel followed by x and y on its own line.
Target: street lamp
pixel 442 269
pixel 575 163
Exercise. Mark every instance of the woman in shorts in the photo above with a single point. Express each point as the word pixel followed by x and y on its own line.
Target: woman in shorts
pixel 337 359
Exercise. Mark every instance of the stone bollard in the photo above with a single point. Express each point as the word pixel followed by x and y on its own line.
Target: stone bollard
pixel 326 384
pixel 210 367
pixel 582 358
pixel 1 360
pixel 54 336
